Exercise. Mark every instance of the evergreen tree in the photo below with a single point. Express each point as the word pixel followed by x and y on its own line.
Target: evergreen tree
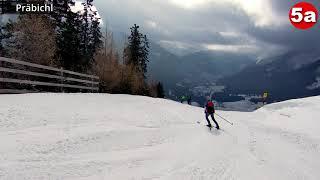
pixel 1 40
pixel 90 33
pixel 68 41
pixel 86 16
pixel 79 37
pixel 61 8
pixel 6 37
pixel 67 26
pixel 95 42
pixel 138 50
pixel 160 90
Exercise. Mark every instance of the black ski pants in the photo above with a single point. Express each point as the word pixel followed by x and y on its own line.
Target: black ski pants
pixel 212 116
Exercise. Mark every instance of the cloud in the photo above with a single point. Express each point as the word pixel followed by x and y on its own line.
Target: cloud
pixel 258 27
pixel 78 7
pixel 180 48
pixel 189 4
pixel 230 48
pixel 151 24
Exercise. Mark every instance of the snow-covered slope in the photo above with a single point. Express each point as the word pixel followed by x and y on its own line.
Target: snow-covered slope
pixel 114 137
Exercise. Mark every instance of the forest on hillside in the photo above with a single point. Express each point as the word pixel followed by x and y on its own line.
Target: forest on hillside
pixel 75 41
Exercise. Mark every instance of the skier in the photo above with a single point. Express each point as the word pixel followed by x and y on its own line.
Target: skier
pixel 183 99
pixel 209 111
pixel 189 100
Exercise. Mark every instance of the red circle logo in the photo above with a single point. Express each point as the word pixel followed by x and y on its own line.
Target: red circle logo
pixel 303 15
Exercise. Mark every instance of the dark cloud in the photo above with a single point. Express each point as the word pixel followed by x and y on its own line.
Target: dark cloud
pixel 286 35
pixel 215 23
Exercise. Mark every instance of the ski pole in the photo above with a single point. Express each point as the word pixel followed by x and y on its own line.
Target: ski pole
pixel 224 119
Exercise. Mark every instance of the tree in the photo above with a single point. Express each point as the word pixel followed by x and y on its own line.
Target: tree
pixel 137 50
pixel 90 39
pixel 6 40
pixel 79 38
pixel 68 41
pixel 107 66
pixel 94 36
pixel 86 16
pixel 1 40
pixel 61 9
pixel 33 39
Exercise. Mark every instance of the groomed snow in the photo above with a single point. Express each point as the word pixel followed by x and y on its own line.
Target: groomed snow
pixel 115 137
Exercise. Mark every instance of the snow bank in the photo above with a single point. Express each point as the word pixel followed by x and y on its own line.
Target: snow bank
pixel 92 136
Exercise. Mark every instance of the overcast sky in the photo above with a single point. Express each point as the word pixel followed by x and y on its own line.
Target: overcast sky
pixel 247 26
pixel 258 27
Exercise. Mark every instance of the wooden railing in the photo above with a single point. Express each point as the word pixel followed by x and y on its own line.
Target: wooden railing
pixel 21 73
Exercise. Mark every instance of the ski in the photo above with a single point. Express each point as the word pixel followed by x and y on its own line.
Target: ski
pixel 210 127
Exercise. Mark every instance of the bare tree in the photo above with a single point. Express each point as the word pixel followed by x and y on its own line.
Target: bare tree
pixel 34 39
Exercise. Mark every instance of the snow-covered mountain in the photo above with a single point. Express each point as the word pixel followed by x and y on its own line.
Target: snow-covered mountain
pixel 199 67
pixel 186 75
pixel 292 75
pixel 292 60
pixel 102 136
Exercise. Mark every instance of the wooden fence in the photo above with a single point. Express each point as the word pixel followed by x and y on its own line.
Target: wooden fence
pixel 23 77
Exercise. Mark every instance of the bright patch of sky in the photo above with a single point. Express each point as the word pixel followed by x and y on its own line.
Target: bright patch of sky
pixel 78 7
pixel 260 10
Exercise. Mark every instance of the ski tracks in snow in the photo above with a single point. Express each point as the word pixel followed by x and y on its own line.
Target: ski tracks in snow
pixel 89 137
pixel 289 155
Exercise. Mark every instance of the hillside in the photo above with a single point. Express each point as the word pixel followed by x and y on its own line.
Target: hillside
pixel 196 68
pixel 101 136
pixel 285 77
pixel 183 75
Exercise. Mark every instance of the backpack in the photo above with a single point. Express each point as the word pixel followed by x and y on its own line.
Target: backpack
pixel 210 107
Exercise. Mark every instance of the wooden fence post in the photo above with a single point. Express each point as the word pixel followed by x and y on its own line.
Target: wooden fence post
pixel 1 73
pixel 62 80
pixel 92 91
